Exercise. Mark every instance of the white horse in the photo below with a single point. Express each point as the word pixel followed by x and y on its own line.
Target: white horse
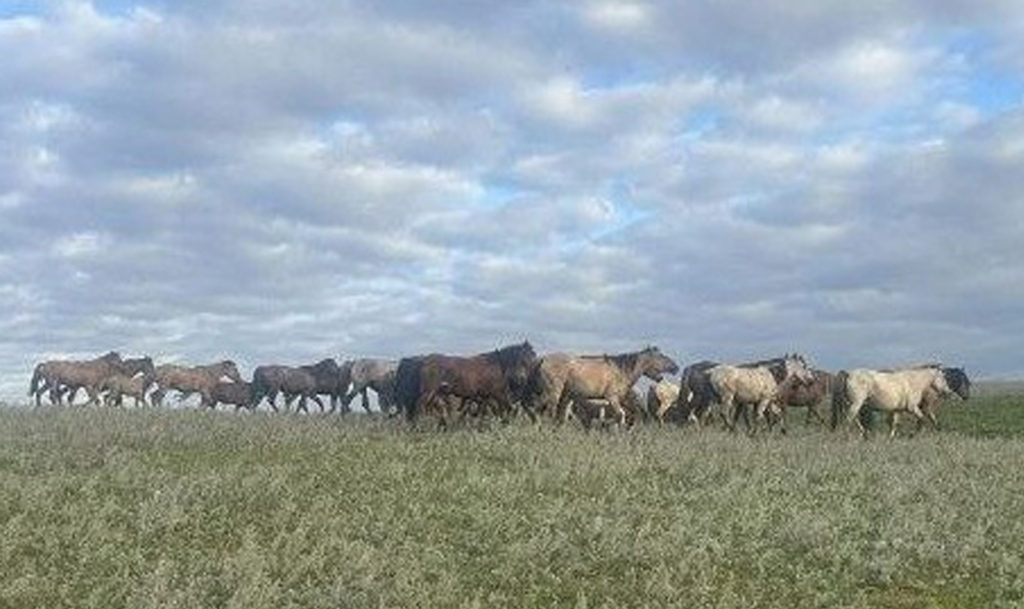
pixel 891 391
pixel 756 385
pixel 661 397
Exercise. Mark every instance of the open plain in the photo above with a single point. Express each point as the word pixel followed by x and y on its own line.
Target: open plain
pixel 113 508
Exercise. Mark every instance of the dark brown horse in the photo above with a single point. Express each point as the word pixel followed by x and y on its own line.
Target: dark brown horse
pixel 191 379
pixel 290 381
pixel 240 394
pixel 493 380
pixel 331 380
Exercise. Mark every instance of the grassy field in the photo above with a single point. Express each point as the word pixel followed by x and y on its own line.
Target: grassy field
pixel 112 509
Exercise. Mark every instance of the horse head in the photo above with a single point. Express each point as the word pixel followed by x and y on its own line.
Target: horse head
pixel 229 369
pixel 958 382
pixel 653 363
pixel 794 364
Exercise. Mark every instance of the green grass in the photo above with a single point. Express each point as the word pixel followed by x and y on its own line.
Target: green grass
pixel 113 509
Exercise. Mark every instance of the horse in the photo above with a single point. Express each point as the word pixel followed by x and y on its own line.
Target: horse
pixel 293 382
pixel 240 394
pixel 59 375
pixel 191 379
pixel 698 394
pixel 891 391
pixel 595 410
pixel 130 369
pixel 661 398
pixel 495 378
pixel 119 385
pixel 958 382
pixel 801 394
pixel 610 377
pixel 756 385
pixel 331 380
pixel 376 374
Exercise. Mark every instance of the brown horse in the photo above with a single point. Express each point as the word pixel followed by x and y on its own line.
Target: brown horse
pixel 609 378
pixel 490 380
pixel 191 379
pixel 131 368
pixel 803 394
pixel 291 381
pixel 59 376
pixel 119 385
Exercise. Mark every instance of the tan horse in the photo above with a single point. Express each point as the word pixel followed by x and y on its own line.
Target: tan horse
pixel 191 379
pixel 891 391
pixel 754 385
pixel 609 378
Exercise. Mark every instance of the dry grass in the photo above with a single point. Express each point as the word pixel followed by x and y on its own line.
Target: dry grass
pixel 115 509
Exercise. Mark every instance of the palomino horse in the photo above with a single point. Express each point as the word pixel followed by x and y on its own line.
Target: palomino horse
pixel 191 379
pixel 59 376
pixel 755 385
pixel 891 391
pixel 958 383
pixel 293 382
pixel 661 397
pixel 609 378
pixel 496 378
pixel 376 374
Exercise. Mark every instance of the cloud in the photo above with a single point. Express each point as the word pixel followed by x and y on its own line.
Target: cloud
pixel 283 181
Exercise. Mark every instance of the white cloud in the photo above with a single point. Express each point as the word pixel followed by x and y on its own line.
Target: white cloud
pixel 726 179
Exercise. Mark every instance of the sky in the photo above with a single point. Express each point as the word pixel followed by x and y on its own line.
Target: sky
pixel 273 181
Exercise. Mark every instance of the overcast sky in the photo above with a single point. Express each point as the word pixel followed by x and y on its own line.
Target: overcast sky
pixel 283 181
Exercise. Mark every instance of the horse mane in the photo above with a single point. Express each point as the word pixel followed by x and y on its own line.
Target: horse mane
pixel 510 356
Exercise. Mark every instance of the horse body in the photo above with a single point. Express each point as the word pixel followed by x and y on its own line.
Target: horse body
pixel 240 394
pixel 59 376
pixel 755 385
pixel 377 374
pixel 119 385
pixel 661 397
pixel 803 394
pixel 293 382
pixel 191 379
pixel 609 378
pixel 494 378
pixel 891 391
pixel 331 379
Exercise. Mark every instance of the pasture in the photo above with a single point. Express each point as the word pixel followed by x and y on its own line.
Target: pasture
pixel 186 508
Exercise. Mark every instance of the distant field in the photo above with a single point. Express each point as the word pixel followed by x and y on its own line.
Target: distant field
pixel 182 508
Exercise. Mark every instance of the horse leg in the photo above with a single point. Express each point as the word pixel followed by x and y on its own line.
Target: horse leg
pixel 318 401
pixel 853 417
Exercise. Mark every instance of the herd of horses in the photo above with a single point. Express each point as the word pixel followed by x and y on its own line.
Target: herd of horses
pixel 513 380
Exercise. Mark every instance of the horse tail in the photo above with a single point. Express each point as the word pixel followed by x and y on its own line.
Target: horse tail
pixel 407 385
pixel 840 397
pixel 33 385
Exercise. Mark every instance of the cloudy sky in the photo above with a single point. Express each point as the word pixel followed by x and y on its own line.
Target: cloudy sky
pixel 283 181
